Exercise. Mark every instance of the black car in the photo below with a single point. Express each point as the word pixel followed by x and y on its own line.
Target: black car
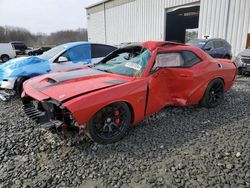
pixel 217 48
pixel 38 51
pixel 20 47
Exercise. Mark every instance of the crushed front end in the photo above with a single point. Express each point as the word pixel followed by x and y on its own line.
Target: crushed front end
pixel 50 114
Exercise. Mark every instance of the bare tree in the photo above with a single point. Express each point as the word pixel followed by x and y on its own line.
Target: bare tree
pixel 9 33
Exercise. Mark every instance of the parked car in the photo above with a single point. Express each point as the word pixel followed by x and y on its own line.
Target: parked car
pixel 7 52
pixel 64 57
pixel 20 47
pixel 217 48
pixel 131 83
pixel 28 50
pixel 38 51
pixel 243 62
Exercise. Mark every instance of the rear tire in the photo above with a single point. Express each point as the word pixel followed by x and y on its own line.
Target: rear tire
pixel 110 124
pixel 5 58
pixel 214 94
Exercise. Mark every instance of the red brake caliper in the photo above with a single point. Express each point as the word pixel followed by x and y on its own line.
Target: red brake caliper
pixel 117 120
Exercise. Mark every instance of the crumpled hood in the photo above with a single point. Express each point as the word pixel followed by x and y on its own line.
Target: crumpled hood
pixel 24 66
pixel 245 53
pixel 65 85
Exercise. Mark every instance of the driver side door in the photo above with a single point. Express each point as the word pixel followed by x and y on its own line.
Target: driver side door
pixel 171 81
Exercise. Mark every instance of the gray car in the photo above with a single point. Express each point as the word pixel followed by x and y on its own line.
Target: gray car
pixel 243 62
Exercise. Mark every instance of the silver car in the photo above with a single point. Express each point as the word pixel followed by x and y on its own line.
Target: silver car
pixel 243 62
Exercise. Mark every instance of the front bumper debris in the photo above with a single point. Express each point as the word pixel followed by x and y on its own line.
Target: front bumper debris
pixel 49 114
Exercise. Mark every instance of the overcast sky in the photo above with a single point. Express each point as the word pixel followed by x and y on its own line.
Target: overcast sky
pixel 44 16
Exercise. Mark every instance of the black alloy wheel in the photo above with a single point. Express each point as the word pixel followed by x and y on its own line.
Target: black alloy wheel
pixel 110 124
pixel 214 94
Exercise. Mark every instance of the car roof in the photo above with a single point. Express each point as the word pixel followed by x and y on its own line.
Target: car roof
pixel 205 40
pixel 152 45
pixel 73 44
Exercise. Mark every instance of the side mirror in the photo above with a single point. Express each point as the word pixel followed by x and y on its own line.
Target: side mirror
pixel 62 59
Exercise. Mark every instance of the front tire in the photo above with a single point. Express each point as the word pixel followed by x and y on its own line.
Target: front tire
pixel 110 124
pixel 19 85
pixel 214 94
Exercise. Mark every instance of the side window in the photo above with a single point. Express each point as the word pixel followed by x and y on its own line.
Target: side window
pixel 20 46
pixel 80 53
pixel 65 54
pixel 169 60
pixel 176 59
pixel 209 46
pixel 218 44
pixel 98 50
pixel 190 58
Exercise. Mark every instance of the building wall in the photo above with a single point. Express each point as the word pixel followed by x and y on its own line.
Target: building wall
pixel 96 27
pixel 228 19
pixel 141 20
pixel 138 20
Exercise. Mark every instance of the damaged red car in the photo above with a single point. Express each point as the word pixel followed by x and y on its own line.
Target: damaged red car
pixel 131 83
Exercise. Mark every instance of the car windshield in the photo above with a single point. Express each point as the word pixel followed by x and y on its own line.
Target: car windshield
pixel 196 42
pixel 128 61
pixel 52 53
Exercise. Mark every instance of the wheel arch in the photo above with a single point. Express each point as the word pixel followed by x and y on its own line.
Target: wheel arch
pixel 222 79
pixel 197 96
pixel 5 55
pixel 210 81
pixel 19 81
pixel 203 101
pixel 131 109
pixel 130 106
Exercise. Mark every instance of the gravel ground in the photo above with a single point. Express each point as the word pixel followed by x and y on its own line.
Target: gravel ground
pixel 178 147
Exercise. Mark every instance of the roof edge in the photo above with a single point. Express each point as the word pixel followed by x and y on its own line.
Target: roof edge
pixel 96 4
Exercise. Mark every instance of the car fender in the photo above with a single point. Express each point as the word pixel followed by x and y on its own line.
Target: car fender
pixel 133 93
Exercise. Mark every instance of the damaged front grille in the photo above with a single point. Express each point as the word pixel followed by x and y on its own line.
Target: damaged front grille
pixel 49 114
pixel 46 113
pixel 31 110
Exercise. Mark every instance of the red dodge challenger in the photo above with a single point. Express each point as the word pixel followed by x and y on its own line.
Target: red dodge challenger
pixel 133 82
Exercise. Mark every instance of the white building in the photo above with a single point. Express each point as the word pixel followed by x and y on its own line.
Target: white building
pixel 118 21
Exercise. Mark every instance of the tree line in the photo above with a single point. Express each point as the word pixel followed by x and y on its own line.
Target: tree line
pixel 9 33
